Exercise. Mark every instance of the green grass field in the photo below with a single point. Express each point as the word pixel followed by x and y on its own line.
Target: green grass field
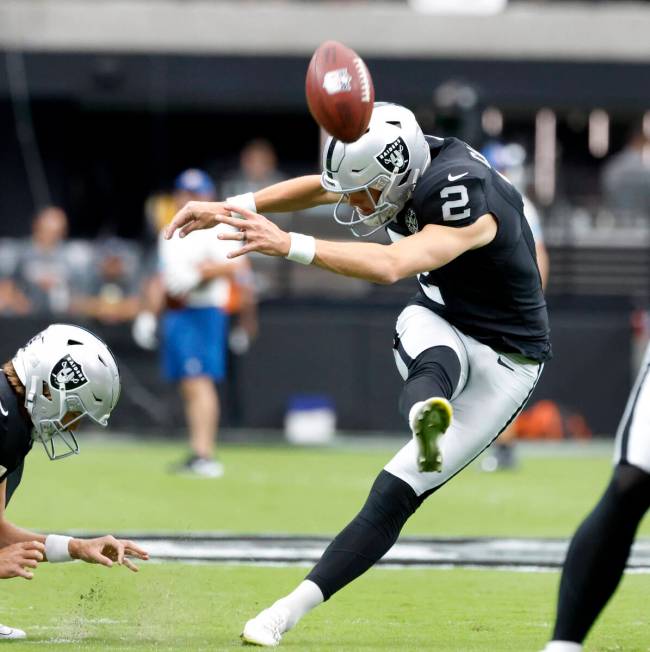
pixel 124 486
pixel 189 607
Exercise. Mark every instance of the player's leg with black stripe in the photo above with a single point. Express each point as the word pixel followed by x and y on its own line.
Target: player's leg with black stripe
pixel 485 404
pixel 597 556
pixel 431 378
pixel 427 355
pixel 487 401
pixel 599 550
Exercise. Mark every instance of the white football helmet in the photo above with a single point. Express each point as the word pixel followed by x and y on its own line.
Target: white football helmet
pixel 66 369
pixel 389 157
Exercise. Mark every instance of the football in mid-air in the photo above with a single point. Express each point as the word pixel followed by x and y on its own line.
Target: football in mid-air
pixel 340 92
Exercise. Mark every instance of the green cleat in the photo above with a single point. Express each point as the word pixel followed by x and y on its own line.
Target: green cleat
pixel 429 421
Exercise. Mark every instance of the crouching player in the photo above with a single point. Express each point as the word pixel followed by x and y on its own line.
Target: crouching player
pixel 59 377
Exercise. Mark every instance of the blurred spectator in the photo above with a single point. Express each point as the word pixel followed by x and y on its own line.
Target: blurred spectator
pixel 258 168
pixel 12 302
pixel 195 288
pixel 43 276
pixel 626 177
pixel 112 292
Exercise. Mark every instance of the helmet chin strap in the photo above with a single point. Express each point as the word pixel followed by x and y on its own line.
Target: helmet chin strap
pixel 62 403
pixel 389 186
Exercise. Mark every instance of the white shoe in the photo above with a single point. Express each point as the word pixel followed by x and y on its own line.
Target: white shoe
pixel 266 628
pixel 207 468
pixel 200 466
pixel 563 646
pixel 11 632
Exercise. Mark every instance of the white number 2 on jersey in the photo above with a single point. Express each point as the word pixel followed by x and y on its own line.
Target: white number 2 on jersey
pixel 462 200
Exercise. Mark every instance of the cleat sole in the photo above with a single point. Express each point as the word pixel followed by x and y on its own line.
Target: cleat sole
pixel 432 423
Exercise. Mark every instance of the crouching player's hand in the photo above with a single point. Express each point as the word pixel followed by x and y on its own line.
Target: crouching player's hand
pixel 107 550
pixel 18 558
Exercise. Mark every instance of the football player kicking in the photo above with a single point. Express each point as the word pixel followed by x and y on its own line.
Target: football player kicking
pixel 600 547
pixel 474 338
pixel 60 376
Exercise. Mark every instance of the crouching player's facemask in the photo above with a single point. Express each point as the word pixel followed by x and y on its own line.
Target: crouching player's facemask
pixel 68 373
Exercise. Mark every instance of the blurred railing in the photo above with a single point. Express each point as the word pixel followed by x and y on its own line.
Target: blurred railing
pixel 597 253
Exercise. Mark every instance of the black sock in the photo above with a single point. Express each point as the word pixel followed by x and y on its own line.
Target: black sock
pixel 598 553
pixel 435 372
pixel 368 537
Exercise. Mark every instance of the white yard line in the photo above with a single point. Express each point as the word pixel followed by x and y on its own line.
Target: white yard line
pixel 490 553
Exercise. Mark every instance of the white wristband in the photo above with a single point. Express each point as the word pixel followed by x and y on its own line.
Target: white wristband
pixel 247 200
pixel 56 548
pixel 302 248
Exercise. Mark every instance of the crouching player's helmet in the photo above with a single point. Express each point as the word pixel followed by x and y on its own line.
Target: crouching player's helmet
pixel 389 157
pixel 68 373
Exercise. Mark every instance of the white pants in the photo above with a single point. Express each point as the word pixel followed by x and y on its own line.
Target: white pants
pixel 492 390
pixel 633 434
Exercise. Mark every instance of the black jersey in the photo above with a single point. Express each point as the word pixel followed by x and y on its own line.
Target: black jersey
pixel 15 437
pixel 493 293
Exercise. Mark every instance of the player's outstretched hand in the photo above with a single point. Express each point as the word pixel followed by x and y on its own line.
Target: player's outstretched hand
pixel 107 550
pixel 255 232
pixel 195 215
pixel 18 558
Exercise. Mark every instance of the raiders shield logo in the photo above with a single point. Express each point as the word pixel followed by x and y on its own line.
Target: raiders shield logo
pixel 395 157
pixel 411 221
pixel 67 374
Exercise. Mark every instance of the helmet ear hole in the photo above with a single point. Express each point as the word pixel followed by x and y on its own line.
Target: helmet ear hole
pixel 45 390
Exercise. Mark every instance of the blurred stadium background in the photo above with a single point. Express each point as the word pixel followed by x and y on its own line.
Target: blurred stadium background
pixel 104 102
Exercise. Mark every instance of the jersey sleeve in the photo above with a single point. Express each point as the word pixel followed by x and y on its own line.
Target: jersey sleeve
pixel 456 203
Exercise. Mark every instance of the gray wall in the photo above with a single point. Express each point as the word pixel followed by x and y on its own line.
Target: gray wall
pixel 532 30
